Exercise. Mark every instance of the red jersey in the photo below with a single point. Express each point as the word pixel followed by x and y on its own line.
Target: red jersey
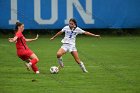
pixel 22 49
pixel 21 42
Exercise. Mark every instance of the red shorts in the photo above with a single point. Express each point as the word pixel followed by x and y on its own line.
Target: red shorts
pixel 24 54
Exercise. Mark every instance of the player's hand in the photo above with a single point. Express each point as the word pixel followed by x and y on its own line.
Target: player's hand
pixel 98 36
pixel 52 38
pixel 10 39
pixel 36 37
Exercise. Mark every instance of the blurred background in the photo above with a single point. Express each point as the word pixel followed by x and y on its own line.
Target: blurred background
pixel 107 17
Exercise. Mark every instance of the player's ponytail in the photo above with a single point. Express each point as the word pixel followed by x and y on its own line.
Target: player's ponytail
pixel 17 25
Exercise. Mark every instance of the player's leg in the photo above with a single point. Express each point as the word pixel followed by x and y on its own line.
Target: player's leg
pixel 33 67
pixel 60 53
pixel 77 59
pixel 27 60
pixel 27 64
pixel 33 60
pixel 30 58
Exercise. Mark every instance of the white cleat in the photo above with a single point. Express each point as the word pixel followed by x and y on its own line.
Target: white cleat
pixel 60 62
pixel 28 66
pixel 61 65
pixel 83 67
pixel 85 71
pixel 37 72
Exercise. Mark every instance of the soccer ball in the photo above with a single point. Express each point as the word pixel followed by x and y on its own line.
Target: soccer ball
pixel 54 69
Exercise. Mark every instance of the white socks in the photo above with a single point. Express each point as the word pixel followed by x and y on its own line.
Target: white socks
pixel 60 61
pixel 83 67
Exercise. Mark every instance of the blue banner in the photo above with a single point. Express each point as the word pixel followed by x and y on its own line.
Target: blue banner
pixel 55 14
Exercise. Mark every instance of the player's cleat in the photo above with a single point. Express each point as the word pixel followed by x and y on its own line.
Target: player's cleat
pixel 28 66
pixel 85 71
pixel 59 67
pixel 60 61
pixel 83 67
pixel 37 72
pixel 61 64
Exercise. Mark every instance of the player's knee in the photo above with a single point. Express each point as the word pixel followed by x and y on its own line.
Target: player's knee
pixel 59 54
pixel 37 59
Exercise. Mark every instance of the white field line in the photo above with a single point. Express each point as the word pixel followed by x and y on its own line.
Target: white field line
pixel 99 66
pixel 4 45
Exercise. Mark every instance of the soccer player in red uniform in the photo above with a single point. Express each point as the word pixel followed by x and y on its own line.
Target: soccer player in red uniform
pixel 23 50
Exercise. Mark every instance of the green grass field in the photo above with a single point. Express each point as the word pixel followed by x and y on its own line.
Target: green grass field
pixel 113 64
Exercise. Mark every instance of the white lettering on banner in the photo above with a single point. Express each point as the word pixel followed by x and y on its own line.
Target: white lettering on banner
pixel 54 11
pixel 13 19
pixel 86 15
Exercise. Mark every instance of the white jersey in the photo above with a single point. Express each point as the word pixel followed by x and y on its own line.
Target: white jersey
pixel 70 35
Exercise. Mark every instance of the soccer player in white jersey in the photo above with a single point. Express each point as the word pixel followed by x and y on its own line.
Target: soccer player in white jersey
pixel 71 31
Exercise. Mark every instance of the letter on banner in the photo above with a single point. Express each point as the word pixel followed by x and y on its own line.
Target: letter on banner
pixel 85 15
pixel 54 11
pixel 13 19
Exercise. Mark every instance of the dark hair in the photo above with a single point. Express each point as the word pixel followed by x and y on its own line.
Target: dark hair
pixel 73 20
pixel 17 25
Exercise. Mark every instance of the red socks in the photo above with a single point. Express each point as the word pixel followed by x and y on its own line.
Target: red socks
pixel 34 67
pixel 34 61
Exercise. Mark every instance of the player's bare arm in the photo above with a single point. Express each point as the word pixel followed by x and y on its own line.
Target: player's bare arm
pixel 57 34
pixel 13 39
pixel 91 34
pixel 30 40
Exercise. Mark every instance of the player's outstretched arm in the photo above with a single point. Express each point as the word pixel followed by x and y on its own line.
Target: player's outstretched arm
pixel 30 40
pixel 13 39
pixel 57 34
pixel 91 34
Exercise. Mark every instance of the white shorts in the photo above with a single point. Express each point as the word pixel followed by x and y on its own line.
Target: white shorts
pixel 69 47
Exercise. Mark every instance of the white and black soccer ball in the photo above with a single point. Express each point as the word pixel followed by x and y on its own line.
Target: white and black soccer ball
pixel 54 69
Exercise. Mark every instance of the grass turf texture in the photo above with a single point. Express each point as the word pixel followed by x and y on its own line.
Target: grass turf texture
pixel 113 64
